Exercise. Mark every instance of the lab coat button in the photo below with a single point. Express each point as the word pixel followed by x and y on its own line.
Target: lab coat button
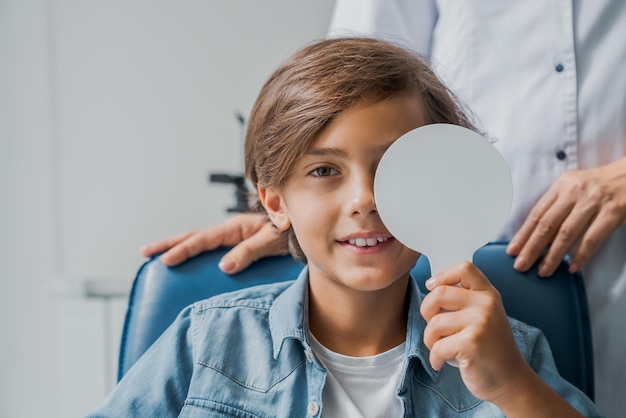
pixel 313 408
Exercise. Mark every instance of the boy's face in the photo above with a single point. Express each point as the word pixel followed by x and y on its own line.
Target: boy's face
pixel 329 198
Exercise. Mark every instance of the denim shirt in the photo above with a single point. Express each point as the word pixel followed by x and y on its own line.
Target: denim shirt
pixel 245 354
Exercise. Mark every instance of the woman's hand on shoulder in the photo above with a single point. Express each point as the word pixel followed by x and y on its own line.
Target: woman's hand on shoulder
pixel 251 235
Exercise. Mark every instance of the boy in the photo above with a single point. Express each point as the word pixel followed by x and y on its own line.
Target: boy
pixel 351 336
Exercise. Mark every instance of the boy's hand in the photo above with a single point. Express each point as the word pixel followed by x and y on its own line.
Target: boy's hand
pixel 252 236
pixel 467 323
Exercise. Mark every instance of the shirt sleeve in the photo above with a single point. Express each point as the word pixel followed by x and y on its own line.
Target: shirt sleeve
pixel 410 23
pixel 157 384
pixel 540 358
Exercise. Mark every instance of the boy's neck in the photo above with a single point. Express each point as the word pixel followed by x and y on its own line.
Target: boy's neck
pixel 357 323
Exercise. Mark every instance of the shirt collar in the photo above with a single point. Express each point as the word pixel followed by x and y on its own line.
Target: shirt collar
pixel 415 347
pixel 289 316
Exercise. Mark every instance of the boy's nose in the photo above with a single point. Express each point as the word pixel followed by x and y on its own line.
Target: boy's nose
pixel 361 196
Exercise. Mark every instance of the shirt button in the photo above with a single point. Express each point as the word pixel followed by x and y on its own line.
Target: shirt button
pixel 313 408
pixel 559 68
pixel 561 155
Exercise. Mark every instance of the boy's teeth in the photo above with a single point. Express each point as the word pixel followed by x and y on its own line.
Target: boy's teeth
pixel 366 242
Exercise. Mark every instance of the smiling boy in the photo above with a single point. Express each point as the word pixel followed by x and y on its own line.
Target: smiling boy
pixel 351 336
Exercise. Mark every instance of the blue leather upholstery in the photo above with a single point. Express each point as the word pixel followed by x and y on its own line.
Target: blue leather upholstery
pixel 557 305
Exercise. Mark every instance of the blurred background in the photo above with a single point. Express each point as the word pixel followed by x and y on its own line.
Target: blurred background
pixel 112 116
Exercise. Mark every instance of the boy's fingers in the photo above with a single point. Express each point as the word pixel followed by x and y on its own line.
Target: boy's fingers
pixel 457 288
pixel 443 325
pixel 463 274
pixel 443 298
pixel 446 349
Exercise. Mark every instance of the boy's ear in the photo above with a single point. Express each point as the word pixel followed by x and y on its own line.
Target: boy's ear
pixel 274 204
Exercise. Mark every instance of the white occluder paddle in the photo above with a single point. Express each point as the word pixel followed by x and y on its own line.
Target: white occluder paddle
pixel 443 191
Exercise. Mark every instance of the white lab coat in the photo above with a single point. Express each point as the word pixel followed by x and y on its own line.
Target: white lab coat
pixel 547 81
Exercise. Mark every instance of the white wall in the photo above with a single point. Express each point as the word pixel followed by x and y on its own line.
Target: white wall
pixel 27 239
pixel 112 114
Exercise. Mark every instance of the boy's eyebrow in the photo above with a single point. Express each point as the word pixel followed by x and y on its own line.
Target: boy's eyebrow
pixel 341 153
pixel 326 151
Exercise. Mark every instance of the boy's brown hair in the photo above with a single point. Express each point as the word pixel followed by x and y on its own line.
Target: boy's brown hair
pixel 323 80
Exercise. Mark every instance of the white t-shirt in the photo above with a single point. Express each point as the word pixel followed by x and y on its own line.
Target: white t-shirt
pixel 360 387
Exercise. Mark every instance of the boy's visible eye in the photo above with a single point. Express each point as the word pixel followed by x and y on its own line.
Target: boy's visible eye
pixel 323 172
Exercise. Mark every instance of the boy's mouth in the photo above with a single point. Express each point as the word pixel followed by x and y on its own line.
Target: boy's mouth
pixel 367 242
